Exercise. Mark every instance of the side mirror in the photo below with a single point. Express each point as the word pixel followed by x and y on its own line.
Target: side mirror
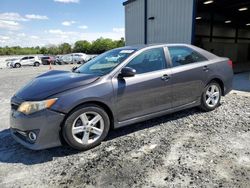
pixel 127 72
pixel 73 69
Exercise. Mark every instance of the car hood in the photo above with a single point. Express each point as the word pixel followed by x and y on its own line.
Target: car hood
pixel 53 82
pixel 13 61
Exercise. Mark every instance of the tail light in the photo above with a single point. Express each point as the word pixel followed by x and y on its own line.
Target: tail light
pixel 230 63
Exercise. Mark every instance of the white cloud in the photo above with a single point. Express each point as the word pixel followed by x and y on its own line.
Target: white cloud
pixel 11 20
pixel 12 16
pixel 36 17
pixel 60 32
pixel 68 23
pixel 119 30
pixel 21 35
pixel 34 37
pixel 54 37
pixel 83 27
pixel 9 25
pixel 4 37
pixel 67 1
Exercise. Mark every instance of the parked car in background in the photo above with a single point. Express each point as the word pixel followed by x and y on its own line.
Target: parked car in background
pixel 57 59
pixel 26 61
pixel 47 60
pixel 118 88
pixel 74 58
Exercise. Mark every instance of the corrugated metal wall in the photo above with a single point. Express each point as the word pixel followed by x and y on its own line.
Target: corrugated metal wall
pixel 173 21
pixel 134 22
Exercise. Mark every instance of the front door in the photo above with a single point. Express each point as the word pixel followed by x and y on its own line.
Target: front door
pixel 148 91
pixel 24 61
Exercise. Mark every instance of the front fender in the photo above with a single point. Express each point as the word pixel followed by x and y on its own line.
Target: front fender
pixel 68 100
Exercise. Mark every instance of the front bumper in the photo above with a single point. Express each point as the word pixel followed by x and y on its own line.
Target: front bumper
pixel 46 125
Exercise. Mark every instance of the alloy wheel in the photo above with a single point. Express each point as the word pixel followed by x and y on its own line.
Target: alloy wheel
pixel 88 128
pixel 212 95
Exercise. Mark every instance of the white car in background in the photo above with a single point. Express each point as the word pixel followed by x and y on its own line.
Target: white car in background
pixel 25 61
pixel 74 58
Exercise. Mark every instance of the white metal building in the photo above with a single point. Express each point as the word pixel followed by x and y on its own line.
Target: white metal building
pixel 219 26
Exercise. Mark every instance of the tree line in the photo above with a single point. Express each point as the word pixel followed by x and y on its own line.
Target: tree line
pixel 82 46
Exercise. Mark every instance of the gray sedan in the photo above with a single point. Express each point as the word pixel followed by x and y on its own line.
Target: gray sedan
pixel 118 88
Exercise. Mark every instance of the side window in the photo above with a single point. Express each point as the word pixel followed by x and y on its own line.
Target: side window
pixel 31 57
pixel 149 61
pixel 24 58
pixel 184 55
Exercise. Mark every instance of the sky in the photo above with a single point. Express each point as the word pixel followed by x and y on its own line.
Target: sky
pixel 29 23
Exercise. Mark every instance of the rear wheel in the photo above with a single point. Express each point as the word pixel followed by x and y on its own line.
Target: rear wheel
pixel 211 97
pixel 36 64
pixel 86 127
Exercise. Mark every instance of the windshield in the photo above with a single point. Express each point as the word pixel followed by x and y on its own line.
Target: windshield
pixel 105 63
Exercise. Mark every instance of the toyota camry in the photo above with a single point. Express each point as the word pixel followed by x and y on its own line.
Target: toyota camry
pixel 117 88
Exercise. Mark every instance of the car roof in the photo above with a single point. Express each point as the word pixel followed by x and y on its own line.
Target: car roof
pixel 142 46
pixel 207 54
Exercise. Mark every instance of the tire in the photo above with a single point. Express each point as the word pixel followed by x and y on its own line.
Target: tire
pixel 211 97
pixel 36 64
pixel 17 65
pixel 75 123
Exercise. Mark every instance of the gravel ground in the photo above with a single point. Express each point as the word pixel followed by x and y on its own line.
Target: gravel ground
pixel 185 149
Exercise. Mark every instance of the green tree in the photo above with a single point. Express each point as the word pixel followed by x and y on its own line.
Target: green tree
pixel 43 50
pixel 64 48
pixel 101 45
pixel 96 47
pixel 82 46
pixel 120 43
pixel 53 50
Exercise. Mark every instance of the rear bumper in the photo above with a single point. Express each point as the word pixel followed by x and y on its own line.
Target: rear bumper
pixel 227 88
pixel 45 124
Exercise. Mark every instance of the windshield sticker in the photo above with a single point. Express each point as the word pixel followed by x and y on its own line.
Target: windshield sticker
pixel 126 51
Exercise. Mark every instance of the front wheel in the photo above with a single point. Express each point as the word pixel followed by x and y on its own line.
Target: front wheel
pixel 211 96
pixel 17 65
pixel 86 127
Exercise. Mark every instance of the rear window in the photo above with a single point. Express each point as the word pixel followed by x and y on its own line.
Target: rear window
pixel 184 55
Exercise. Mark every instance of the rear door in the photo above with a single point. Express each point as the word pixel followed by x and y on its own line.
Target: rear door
pixel 31 60
pixel 189 74
pixel 149 91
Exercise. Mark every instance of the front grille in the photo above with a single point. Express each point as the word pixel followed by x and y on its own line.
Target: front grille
pixel 14 106
pixel 20 134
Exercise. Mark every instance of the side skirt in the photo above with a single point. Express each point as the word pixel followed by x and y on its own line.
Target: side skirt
pixel 157 114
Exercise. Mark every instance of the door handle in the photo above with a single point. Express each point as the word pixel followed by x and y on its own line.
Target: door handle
pixel 205 68
pixel 165 77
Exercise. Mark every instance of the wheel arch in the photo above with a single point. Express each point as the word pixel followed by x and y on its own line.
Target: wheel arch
pixel 220 82
pixel 98 103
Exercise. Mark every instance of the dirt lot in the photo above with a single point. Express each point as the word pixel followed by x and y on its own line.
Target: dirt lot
pixel 188 148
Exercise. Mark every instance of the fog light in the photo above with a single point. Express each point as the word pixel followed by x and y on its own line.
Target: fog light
pixel 32 136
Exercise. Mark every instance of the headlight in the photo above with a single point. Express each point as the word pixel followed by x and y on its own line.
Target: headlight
pixel 31 107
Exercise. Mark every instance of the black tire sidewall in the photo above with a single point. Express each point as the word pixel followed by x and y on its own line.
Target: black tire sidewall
pixel 36 64
pixel 67 127
pixel 204 105
pixel 17 65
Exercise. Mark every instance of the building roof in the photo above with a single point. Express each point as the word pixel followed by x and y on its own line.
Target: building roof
pixel 127 2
